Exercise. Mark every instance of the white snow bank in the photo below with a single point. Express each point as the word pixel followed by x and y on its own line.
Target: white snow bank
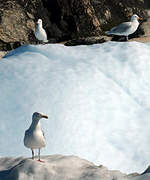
pixel 97 99
pixel 56 167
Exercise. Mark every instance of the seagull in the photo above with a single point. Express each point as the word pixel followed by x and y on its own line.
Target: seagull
pixel 126 28
pixel 40 33
pixel 34 136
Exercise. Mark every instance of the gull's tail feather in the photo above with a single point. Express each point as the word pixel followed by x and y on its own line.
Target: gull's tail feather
pixel 46 41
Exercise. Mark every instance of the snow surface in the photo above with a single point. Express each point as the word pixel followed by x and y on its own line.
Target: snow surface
pixel 55 167
pixel 97 98
pixel 58 167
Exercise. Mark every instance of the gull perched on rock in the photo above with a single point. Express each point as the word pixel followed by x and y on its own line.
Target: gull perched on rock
pixel 34 136
pixel 40 33
pixel 126 28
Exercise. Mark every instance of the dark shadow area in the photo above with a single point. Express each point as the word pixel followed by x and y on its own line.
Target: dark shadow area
pixel 147 3
pixel 4 174
pixel 64 22
pixel 119 38
pixel 53 7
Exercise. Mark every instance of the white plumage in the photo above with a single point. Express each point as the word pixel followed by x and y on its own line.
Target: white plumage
pixel 126 28
pixel 40 33
pixel 34 136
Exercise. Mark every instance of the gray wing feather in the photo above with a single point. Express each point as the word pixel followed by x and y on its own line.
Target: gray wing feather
pixel 120 28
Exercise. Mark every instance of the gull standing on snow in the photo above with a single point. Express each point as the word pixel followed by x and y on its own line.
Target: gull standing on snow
pixel 126 28
pixel 40 33
pixel 34 136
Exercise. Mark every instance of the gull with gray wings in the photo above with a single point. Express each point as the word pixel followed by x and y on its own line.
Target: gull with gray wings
pixel 34 136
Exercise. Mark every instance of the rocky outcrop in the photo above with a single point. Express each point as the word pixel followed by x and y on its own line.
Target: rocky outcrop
pixel 88 41
pixel 2 53
pixel 145 28
pixel 64 19
pixel 83 14
pixel 15 25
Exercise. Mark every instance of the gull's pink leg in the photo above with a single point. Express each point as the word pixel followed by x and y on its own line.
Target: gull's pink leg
pixel 39 156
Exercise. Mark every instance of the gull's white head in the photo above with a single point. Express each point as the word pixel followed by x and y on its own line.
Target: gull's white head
pixel 135 17
pixel 37 116
pixel 39 21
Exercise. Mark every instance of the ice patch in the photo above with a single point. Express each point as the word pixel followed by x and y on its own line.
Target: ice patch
pixel 97 99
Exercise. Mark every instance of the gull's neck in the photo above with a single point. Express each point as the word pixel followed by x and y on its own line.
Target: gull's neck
pixel 135 21
pixel 35 124
pixel 40 26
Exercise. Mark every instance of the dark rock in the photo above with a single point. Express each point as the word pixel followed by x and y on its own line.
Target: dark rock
pixel 15 26
pixel 87 41
pixel 145 28
pixel 79 18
